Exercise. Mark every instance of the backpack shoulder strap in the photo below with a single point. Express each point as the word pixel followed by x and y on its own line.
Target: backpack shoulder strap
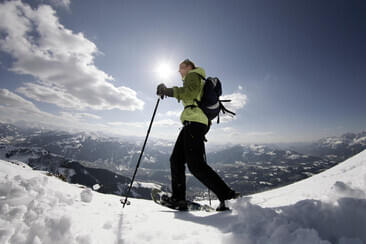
pixel 203 78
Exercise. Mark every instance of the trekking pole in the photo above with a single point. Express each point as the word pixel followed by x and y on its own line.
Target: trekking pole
pixel 208 189
pixel 209 196
pixel 142 151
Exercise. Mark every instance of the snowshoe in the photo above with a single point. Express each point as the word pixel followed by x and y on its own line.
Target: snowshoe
pixel 164 199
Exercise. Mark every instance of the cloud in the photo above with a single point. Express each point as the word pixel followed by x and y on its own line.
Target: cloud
pixel 167 123
pixel 156 123
pixel 17 110
pixel 56 3
pixel 61 61
pixel 79 116
pixel 238 101
pixel 171 113
pixel 10 100
pixel 260 133
pixel 129 124
pixel 229 130
pixel 59 3
pixel 14 108
pixel 228 134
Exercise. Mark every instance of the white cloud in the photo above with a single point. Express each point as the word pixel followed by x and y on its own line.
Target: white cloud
pixel 61 60
pixel 171 113
pixel 79 116
pixel 54 95
pixel 238 100
pixel 10 100
pixel 240 87
pixel 59 3
pixel 15 109
pixel 56 3
pixel 167 123
pixel 228 129
pixel 129 124
pixel 156 123
pixel 260 133
pixel 228 134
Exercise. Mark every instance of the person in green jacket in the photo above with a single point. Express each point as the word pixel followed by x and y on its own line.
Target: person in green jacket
pixel 189 147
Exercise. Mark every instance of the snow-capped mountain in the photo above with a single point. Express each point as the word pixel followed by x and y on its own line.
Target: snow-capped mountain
pixel 323 209
pixel 254 153
pixel 32 146
pixel 247 168
pixel 103 152
pixel 336 148
pixel 117 153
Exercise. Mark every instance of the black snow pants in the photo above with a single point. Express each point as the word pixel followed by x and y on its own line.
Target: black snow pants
pixel 190 148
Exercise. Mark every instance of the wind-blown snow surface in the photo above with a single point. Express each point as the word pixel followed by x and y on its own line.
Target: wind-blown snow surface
pixel 327 208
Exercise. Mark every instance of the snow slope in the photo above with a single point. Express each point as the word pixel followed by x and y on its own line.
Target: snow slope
pixel 36 208
pixel 347 179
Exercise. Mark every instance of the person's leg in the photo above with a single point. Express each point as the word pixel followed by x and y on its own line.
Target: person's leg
pixel 177 161
pixel 195 156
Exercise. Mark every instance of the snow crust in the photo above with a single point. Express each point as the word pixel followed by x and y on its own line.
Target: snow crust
pixel 326 208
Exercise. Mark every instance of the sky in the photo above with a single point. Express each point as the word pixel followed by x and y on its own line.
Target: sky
pixel 295 71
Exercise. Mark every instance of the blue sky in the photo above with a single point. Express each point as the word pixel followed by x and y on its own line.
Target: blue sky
pixel 295 70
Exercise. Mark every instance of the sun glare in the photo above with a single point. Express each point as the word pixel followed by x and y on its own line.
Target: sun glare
pixel 164 71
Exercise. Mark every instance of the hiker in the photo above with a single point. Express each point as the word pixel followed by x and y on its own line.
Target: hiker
pixel 189 147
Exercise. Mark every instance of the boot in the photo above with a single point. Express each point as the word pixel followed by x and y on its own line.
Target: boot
pixel 172 202
pixel 222 207
pixel 231 195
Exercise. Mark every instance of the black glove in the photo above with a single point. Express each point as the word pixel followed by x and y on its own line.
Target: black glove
pixel 162 91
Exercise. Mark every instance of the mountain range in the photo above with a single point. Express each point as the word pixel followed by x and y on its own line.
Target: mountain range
pixel 248 168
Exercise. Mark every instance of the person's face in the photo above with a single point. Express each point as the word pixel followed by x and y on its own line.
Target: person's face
pixel 183 69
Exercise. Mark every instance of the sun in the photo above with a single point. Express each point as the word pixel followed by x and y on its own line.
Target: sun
pixel 164 71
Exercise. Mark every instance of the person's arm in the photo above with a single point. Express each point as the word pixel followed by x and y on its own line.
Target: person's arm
pixel 190 88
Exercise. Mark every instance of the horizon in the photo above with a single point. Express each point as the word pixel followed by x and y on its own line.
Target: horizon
pixel 209 146
pixel 293 70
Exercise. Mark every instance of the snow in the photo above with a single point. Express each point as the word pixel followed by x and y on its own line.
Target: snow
pixel 294 156
pixel 361 140
pixel 323 186
pixel 145 185
pixel 308 221
pixel 333 142
pixel 86 195
pixel 271 153
pixel 327 208
pixel 258 148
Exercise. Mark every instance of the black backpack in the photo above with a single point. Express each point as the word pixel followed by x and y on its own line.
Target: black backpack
pixel 210 102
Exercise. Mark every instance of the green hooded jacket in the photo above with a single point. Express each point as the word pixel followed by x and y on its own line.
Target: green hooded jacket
pixel 192 89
